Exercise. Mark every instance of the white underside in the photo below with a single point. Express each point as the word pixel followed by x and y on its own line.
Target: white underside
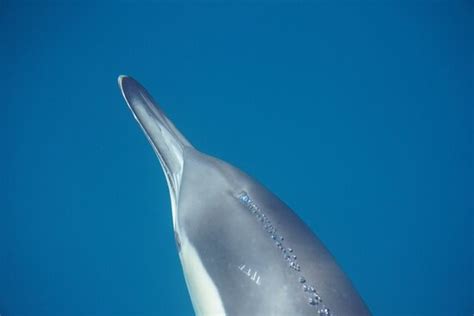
pixel 204 294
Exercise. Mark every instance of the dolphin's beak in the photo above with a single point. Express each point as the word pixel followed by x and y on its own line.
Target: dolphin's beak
pixel 167 142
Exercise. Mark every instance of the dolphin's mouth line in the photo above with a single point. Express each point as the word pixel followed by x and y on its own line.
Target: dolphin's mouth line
pixel 170 179
pixel 166 141
pixel 312 295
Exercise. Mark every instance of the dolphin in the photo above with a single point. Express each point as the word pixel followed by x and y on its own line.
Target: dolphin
pixel 242 250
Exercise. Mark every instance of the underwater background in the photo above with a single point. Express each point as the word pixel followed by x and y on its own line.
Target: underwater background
pixel 359 115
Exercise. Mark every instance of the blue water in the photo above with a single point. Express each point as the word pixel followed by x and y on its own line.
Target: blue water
pixel 358 115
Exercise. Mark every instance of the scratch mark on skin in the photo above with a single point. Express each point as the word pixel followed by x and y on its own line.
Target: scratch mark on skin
pixel 248 272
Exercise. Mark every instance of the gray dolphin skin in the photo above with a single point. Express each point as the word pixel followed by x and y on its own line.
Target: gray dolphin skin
pixel 243 251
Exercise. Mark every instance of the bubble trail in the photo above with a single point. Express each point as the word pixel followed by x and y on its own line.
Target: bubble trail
pixel 312 296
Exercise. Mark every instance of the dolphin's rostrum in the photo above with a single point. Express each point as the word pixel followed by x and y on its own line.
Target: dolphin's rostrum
pixel 243 251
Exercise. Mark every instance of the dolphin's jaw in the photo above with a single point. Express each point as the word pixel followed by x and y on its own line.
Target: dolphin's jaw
pixel 167 142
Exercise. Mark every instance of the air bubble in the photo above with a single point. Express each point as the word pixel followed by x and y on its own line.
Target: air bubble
pixel 290 249
pixel 295 266
pixel 324 312
pixel 312 301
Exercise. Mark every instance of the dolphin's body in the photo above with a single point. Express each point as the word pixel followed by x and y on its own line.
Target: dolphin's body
pixel 243 251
